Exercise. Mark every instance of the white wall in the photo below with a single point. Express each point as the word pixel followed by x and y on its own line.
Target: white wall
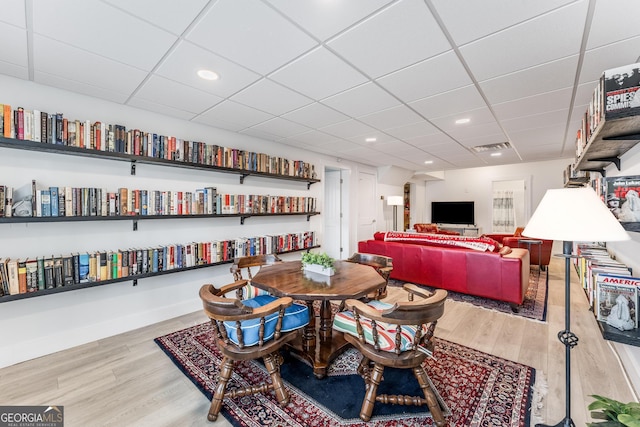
pixel 36 326
pixel 475 184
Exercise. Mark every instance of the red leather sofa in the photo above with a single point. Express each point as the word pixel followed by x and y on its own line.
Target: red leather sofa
pixel 486 274
pixel 539 254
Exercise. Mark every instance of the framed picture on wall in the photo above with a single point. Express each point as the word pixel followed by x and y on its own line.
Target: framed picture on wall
pixel 623 200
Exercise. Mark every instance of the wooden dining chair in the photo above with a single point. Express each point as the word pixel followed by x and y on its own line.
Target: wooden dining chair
pixel 242 270
pixel 250 329
pixel 382 264
pixel 396 335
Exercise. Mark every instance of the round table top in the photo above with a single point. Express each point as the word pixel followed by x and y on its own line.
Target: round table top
pixel 288 279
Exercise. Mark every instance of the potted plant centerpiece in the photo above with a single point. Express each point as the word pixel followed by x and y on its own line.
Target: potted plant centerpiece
pixel 318 263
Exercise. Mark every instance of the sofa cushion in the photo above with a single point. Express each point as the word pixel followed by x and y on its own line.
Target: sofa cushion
pixel 344 321
pixel 482 244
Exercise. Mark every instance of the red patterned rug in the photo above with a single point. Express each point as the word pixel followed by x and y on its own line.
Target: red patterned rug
pixel 477 389
pixel 533 307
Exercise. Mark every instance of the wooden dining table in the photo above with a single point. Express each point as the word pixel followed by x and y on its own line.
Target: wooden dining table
pixel 319 344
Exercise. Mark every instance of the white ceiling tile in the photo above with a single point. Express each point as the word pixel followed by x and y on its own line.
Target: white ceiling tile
pixel 79 87
pixel 553 134
pixel 543 78
pixel 84 67
pixel 13 12
pixel 166 92
pixel 261 134
pixel 14 70
pixel 495 15
pixel 314 138
pixel 449 103
pixel 271 97
pixel 281 127
pixel 469 135
pixel 171 15
pixel 14 53
pixel 536 104
pixel 536 120
pixel 429 77
pixel 596 61
pixel 430 140
pixel 250 33
pixel 380 139
pixel 186 59
pixel 403 34
pixel 211 121
pixel 98 27
pixel 362 100
pixel 232 112
pixel 315 115
pixel 160 108
pixel 611 23
pixel 523 45
pixel 412 130
pixel 348 129
pixel 391 118
pixel 318 74
pixel 476 117
pixel 324 18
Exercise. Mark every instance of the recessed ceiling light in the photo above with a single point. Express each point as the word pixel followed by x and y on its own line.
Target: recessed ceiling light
pixel 462 121
pixel 371 139
pixel 428 162
pixel 208 75
pixel 496 154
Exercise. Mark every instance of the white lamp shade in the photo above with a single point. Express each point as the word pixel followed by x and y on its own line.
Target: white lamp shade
pixel 576 215
pixel 394 200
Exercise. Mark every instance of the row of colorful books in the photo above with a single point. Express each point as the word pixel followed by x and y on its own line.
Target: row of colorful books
pixel 612 291
pixel 33 201
pixel 39 126
pixel 33 274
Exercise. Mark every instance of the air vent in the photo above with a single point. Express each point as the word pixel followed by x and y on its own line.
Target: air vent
pixel 491 147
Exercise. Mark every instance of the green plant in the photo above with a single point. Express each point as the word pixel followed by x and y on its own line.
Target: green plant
pixel 320 259
pixel 615 413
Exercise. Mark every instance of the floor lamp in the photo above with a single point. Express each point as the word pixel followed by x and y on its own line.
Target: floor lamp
pixel 572 215
pixel 395 201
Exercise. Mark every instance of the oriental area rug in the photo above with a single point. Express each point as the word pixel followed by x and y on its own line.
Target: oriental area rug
pixel 476 389
pixel 533 307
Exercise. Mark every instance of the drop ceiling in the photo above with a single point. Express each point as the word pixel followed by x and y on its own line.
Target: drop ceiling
pixel 330 75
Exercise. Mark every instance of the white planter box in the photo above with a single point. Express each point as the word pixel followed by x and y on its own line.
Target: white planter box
pixel 315 268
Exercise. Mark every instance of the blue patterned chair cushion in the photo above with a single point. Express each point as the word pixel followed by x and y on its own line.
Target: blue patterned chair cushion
pixel 345 322
pixel 295 316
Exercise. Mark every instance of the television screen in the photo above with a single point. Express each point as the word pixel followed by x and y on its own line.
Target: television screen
pixel 453 213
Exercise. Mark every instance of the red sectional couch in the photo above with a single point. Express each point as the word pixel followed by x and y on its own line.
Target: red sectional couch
pixel 486 274
pixel 514 241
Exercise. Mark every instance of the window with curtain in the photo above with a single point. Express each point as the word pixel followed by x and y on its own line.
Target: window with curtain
pixel 504 215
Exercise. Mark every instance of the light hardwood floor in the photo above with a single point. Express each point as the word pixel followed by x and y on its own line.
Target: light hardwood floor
pixel 126 380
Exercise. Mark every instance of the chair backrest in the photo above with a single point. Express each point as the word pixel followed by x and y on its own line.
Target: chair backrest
pixel 422 314
pixel 251 261
pixel 230 317
pixel 373 260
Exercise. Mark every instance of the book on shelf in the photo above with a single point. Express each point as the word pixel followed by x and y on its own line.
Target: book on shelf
pixel 12 275
pixel 617 301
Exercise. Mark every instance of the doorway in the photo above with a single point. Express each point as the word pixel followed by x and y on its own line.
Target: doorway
pixel 336 225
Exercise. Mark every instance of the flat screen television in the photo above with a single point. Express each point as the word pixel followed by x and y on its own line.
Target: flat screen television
pixel 453 213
